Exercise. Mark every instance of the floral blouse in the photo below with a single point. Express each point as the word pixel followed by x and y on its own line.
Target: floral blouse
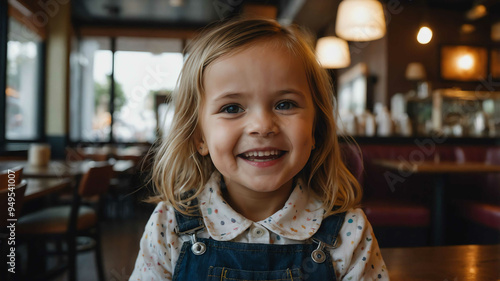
pixel 356 258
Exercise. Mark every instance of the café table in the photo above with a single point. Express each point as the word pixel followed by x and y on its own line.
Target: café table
pixel 134 153
pixel 39 187
pixel 62 169
pixel 451 263
pixel 440 170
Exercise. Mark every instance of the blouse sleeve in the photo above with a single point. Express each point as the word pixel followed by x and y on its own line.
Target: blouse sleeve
pixel 358 257
pixel 154 258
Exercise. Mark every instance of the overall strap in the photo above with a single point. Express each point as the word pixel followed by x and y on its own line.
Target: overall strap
pixel 189 224
pixel 329 229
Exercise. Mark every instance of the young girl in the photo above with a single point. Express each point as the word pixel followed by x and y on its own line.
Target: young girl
pixel 250 181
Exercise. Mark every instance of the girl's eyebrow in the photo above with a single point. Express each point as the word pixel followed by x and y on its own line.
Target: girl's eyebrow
pixel 233 95
pixel 291 91
pixel 228 95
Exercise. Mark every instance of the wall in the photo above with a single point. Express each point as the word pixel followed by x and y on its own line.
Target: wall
pixel 57 66
pixel 402 47
pixel 374 54
pixel 388 57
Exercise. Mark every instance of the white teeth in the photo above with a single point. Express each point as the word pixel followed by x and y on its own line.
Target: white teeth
pixel 261 153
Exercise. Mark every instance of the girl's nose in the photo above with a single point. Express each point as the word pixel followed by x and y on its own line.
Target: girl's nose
pixel 263 124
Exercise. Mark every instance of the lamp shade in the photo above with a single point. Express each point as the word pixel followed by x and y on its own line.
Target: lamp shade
pixel 333 52
pixel 360 20
pixel 495 32
pixel 415 71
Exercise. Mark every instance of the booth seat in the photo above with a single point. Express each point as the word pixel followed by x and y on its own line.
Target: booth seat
pixel 407 204
pixel 399 211
pixel 479 202
pixel 394 211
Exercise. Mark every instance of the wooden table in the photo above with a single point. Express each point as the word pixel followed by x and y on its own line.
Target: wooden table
pixel 452 263
pixel 62 169
pixel 440 169
pixel 39 187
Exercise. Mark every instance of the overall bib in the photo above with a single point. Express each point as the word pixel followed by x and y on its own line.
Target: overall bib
pixel 207 259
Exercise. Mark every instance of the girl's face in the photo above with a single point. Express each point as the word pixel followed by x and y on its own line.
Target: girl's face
pixel 256 118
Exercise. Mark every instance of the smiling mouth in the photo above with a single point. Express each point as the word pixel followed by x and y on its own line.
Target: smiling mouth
pixel 262 156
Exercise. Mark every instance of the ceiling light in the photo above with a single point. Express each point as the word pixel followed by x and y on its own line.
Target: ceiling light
pixel 424 35
pixel 333 52
pixel 360 20
pixel 476 12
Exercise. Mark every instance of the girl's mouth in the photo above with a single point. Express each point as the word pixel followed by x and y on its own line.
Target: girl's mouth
pixel 262 156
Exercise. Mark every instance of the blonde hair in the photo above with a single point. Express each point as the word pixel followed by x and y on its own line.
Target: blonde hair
pixel 178 167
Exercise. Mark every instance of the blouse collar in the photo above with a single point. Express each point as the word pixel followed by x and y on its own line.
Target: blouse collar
pixel 299 218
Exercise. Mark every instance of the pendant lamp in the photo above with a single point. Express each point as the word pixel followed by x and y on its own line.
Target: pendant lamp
pixel 333 52
pixel 424 35
pixel 360 20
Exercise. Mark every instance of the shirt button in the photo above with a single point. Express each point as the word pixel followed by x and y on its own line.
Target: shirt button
pixel 258 232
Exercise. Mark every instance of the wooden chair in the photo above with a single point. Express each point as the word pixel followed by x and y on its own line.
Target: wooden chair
pixel 69 222
pixel 14 173
pixel 6 215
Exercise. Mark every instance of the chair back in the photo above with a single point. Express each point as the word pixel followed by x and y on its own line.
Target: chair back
pixel 96 180
pixel 16 203
pixel 12 174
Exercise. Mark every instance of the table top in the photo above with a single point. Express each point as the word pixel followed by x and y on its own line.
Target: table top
pixel 39 187
pixel 440 167
pixel 62 169
pixel 464 262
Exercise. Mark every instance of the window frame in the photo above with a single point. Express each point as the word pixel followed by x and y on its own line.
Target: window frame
pixel 40 85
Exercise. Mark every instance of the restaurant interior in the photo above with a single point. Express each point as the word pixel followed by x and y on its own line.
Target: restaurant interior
pixel 87 93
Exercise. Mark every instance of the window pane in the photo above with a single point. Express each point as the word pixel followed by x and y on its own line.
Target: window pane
pixel 90 99
pixel 140 72
pixel 22 92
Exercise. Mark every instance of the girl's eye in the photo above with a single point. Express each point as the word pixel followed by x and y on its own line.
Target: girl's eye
pixel 285 105
pixel 232 108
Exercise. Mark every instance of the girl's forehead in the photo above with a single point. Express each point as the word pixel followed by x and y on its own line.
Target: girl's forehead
pixel 264 57
pixel 260 45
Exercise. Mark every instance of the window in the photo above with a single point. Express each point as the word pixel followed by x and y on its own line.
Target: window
pixel 139 69
pixel 91 68
pixel 142 69
pixel 23 83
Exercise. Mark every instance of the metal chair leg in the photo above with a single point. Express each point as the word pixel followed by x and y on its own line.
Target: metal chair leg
pixel 72 257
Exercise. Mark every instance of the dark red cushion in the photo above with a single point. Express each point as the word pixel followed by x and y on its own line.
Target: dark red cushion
pixel 388 213
pixel 482 213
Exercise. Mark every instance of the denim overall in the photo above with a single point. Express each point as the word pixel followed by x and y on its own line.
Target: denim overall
pixel 208 259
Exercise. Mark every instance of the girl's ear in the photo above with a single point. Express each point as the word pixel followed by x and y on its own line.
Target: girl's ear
pixel 199 142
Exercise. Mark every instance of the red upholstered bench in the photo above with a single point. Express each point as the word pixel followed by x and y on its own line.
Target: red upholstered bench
pixel 387 206
pixel 484 207
pixel 388 213
pixel 396 220
pixel 482 213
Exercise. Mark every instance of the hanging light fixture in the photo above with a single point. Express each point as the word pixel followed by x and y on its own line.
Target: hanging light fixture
pixel 360 20
pixel 333 52
pixel 424 35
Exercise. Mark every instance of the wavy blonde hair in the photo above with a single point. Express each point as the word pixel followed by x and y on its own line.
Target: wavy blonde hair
pixel 178 167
